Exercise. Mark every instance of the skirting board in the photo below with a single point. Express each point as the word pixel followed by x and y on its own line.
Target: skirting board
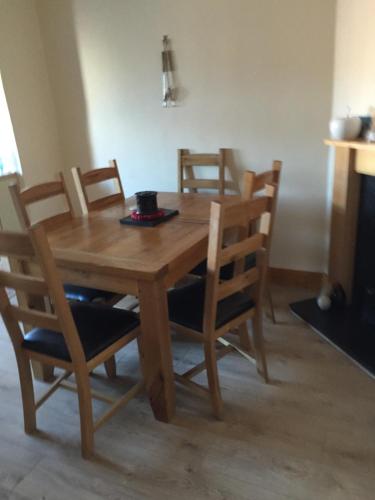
pixel 291 277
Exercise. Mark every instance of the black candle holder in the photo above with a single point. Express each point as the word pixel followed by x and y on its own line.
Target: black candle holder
pixel 147 203
pixel 148 213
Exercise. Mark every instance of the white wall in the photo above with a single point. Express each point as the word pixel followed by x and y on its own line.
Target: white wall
pixel 8 216
pixel 256 76
pixel 354 80
pixel 28 92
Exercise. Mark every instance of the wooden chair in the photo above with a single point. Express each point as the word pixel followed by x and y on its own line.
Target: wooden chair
pixel 253 184
pixel 22 200
pixel 210 308
pixel 186 174
pixel 96 176
pixel 76 337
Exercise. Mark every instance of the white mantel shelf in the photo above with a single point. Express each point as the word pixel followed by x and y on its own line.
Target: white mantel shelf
pixel 363 145
pixel 364 154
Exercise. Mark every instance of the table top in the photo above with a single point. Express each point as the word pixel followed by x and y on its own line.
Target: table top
pixel 99 241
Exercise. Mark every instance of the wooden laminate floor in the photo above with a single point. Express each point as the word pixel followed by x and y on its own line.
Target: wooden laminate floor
pixel 309 434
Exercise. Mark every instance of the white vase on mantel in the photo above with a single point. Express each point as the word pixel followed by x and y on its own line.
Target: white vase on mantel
pixel 345 129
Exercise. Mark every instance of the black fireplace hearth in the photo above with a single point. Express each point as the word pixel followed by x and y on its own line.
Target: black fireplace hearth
pixel 352 329
pixel 342 327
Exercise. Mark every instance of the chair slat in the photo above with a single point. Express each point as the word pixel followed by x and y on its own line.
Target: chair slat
pixel 262 179
pixel 29 284
pixel 104 202
pixel 41 192
pixel 98 175
pixel 201 160
pixel 202 183
pixel 254 183
pixel 244 212
pixel 208 184
pixel 36 318
pixel 16 245
pixel 237 283
pixel 242 248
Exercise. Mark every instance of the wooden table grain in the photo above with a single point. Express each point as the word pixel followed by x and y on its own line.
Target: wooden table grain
pixel 97 251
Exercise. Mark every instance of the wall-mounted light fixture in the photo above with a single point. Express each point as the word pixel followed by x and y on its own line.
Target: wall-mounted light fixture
pixel 169 90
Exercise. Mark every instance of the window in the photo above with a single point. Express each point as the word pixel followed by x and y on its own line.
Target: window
pixel 9 159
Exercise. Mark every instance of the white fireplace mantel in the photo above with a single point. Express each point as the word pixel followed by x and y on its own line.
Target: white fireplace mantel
pixel 351 158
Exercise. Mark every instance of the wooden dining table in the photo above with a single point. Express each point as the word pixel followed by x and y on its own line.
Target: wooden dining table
pixel 97 251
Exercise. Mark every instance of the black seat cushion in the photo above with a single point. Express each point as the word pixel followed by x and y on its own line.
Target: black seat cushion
pixel 98 326
pixel 226 272
pixel 186 306
pixel 200 269
pixel 83 294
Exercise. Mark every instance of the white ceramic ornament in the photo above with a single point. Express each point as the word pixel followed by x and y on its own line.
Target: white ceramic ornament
pixel 345 129
pixel 324 302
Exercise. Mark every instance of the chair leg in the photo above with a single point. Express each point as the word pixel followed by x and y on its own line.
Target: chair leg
pixel 27 392
pixel 244 337
pixel 270 303
pixel 259 346
pixel 45 373
pixel 85 413
pixel 213 378
pixel 110 367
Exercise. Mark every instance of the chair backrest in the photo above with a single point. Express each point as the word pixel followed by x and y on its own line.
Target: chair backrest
pixel 96 176
pixel 22 199
pixel 253 183
pixel 187 176
pixel 239 216
pixel 33 247
pixel 269 183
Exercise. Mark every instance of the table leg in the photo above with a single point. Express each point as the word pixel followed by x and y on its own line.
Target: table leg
pixel 156 352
